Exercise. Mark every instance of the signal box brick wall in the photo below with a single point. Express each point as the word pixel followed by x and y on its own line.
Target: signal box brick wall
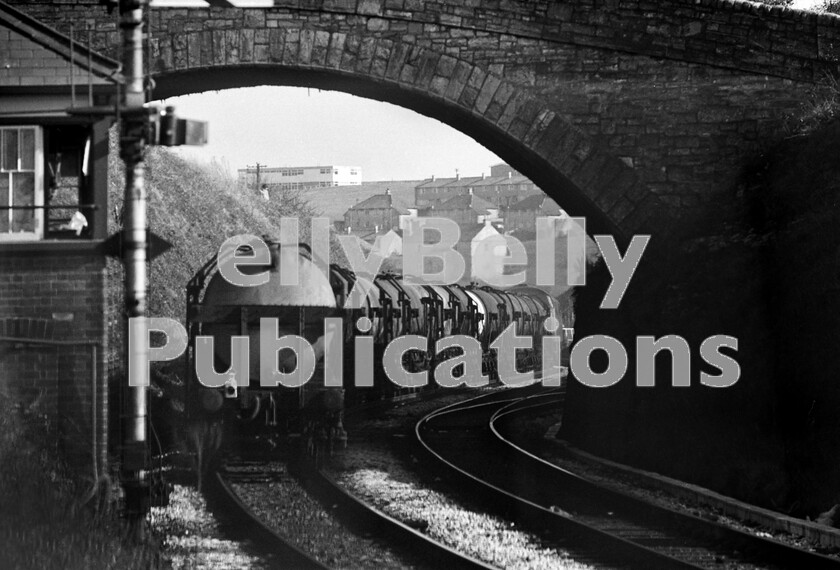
pixel 39 291
pixel 52 281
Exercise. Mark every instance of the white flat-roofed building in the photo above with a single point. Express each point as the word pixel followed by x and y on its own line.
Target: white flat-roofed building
pixel 299 177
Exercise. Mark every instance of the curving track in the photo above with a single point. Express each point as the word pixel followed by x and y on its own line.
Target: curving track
pixel 601 524
pixel 278 551
pixel 355 514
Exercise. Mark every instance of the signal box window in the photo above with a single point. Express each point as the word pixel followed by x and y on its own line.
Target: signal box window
pixel 21 183
pixel 44 187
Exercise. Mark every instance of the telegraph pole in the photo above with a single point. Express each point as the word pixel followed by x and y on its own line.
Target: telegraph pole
pixel 135 253
pixel 258 176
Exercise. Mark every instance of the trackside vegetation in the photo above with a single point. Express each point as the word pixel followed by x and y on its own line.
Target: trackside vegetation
pixel 48 517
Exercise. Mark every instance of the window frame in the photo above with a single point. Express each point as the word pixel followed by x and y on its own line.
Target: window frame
pixel 38 199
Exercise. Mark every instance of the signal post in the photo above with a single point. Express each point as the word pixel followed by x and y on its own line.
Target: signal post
pixel 139 126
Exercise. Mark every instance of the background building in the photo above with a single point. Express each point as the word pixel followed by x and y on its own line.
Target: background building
pixel 466 209
pixel 377 213
pixel 504 187
pixel 522 216
pixel 299 177
pixel 438 190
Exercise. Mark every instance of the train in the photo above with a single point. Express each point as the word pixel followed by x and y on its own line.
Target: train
pixel 390 308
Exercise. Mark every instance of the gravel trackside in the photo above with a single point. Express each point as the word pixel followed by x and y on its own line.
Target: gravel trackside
pixel 375 476
pixel 286 507
pixel 194 539
pixel 376 468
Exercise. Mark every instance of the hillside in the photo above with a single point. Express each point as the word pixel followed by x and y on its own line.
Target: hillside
pixel 333 202
pixel 195 207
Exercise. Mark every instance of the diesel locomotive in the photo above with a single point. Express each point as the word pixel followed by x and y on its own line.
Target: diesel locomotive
pixel 389 308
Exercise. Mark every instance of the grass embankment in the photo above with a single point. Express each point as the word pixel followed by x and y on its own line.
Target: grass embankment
pixel 196 207
pixel 43 521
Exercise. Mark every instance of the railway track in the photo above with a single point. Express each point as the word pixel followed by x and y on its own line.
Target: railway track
pixel 601 524
pixel 381 467
pixel 357 515
pixel 277 550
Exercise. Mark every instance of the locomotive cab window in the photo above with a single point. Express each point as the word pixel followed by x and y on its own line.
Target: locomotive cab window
pixel 44 187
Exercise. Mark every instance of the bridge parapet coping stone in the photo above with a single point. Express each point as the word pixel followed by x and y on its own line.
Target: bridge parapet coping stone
pixel 782 41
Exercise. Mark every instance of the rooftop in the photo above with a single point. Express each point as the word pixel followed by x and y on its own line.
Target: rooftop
pixel 264 168
pixel 334 201
pixel 55 52
pixel 467 201
pixel 468 181
pixel 375 202
pixel 536 202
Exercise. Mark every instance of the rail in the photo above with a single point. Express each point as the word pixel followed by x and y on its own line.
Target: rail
pixel 768 548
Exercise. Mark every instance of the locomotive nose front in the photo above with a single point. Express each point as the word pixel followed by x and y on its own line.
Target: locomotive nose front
pixel 286 390
pixel 299 308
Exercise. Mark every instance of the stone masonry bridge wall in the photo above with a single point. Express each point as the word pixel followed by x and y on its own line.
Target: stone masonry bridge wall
pixel 643 116
pixel 632 113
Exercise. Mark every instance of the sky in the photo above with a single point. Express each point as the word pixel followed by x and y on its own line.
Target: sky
pixel 293 126
pixel 290 126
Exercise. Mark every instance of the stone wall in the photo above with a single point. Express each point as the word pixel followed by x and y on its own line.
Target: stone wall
pixel 636 104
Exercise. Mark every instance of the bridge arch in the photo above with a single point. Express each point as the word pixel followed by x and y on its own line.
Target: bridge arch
pixel 566 163
pixel 683 92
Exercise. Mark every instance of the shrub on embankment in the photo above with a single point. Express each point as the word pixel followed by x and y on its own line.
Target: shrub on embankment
pixel 44 522
pixel 768 273
pixel 195 207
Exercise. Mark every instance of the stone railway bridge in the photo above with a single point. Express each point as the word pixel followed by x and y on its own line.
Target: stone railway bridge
pixel 643 116
pixel 632 113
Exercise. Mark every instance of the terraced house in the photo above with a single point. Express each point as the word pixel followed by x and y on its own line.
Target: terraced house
pixel 379 212
pixel 504 186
